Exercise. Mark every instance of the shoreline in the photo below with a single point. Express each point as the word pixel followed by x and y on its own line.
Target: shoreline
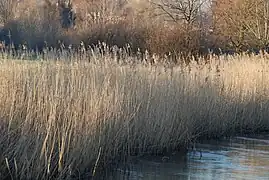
pixel 64 119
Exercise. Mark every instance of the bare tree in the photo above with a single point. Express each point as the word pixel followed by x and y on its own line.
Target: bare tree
pixel 7 10
pixel 186 11
pixel 244 23
pixel 98 11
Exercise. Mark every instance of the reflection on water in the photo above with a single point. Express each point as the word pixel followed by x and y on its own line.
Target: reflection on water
pixel 237 158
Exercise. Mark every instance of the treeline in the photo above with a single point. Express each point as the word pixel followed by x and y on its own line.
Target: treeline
pixel 182 28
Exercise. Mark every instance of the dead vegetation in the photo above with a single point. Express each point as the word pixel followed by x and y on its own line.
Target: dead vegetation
pixel 68 118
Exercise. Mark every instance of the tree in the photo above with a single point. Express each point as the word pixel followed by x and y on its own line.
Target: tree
pixel 183 25
pixel 243 23
pixel 67 13
pixel 181 11
pixel 7 10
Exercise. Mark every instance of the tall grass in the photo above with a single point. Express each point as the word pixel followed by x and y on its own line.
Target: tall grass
pixel 64 119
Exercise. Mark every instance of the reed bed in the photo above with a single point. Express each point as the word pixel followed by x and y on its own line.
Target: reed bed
pixel 67 118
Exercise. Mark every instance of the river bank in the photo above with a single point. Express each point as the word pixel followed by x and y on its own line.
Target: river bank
pixel 63 119
pixel 240 157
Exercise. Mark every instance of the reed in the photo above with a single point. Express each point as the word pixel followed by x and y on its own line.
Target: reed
pixel 67 118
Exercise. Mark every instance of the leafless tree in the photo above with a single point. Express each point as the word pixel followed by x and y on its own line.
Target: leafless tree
pixel 186 11
pixel 244 22
pixel 7 10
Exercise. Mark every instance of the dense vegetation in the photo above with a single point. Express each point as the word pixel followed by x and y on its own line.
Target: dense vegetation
pixel 72 102
pixel 180 28
pixel 64 118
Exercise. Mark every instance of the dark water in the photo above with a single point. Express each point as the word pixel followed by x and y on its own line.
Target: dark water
pixel 241 158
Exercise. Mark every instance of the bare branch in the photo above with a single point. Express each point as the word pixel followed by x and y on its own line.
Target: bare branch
pixel 180 10
pixel 7 10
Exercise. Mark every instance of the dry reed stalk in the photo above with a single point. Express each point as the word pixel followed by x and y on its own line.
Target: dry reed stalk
pixel 57 116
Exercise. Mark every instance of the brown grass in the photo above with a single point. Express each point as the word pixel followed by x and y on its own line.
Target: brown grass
pixel 59 119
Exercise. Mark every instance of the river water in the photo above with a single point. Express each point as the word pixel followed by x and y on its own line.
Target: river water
pixel 240 158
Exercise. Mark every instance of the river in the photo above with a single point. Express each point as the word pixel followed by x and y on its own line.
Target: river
pixel 240 158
